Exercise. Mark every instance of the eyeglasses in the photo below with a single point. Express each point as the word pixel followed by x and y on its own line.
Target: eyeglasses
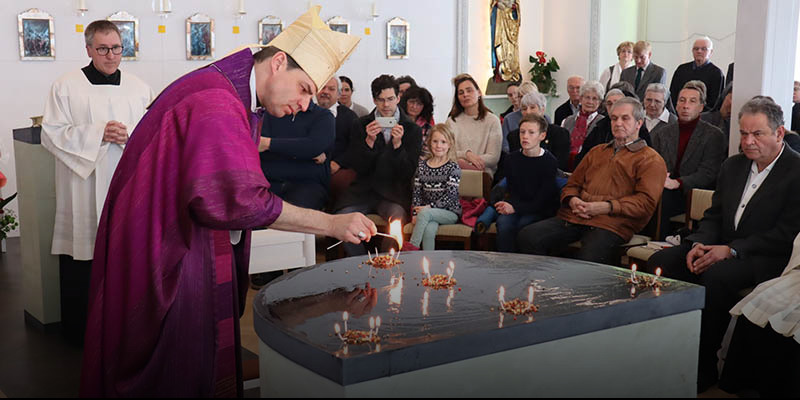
pixel 116 50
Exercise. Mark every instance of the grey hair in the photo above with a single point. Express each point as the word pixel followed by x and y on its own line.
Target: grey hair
pixel 638 110
pixel 615 92
pixel 708 39
pixel 534 98
pixel 100 25
pixel 764 105
pixel 658 88
pixel 699 86
pixel 596 86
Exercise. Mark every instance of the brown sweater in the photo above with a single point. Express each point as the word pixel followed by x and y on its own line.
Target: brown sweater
pixel 632 179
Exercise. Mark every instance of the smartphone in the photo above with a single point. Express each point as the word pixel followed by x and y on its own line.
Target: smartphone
pixel 386 122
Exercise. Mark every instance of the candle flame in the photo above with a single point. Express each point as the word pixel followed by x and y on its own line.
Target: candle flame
pixel 633 267
pixel 658 271
pixel 337 328
pixel 378 321
pixel 391 253
pixel 502 295
pixel 371 323
pixel 396 231
pixel 345 316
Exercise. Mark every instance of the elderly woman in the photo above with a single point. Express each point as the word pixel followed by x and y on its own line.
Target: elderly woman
pixel 478 134
pixel 655 101
pixel 557 139
pixel 610 75
pixel 511 121
pixel 579 125
pixel 417 102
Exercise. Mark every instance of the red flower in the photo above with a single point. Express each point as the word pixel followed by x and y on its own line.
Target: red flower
pixel 542 60
pixel 540 54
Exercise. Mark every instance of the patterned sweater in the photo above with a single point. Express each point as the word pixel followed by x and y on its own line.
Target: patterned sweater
pixel 437 187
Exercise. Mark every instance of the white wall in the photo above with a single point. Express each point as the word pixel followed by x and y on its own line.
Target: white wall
pixel 566 37
pixel 162 57
pixel 618 23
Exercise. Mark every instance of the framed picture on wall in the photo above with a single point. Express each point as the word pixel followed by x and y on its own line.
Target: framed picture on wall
pixel 199 37
pixel 129 30
pixel 397 30
pixel 339 24
pixel 37 39
pixel 269 27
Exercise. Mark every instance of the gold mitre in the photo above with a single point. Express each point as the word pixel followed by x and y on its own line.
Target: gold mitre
pixel 316 48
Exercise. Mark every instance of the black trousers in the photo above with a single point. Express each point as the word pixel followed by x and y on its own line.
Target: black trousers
pixel 723 282
pixel 302 194
pixel 553 235
pixel 74 279
pixel 384 208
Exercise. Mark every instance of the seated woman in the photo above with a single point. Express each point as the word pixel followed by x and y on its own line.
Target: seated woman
pixel 557 139
pixel 346 97
pixel 477 130
pixel 417 102
pixel 435 198
pixel 531 193
pixel 579 125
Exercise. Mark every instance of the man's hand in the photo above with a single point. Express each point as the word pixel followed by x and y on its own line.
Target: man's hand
pixel 335 167
pixel 578 207
pixel 473 159
pixel 115 132
pixel 670 183
pixel 263 144
pixel 702 257
pixel 352 227
pixel 587 210
pixel 397 136
pixel 373 129
pixel 504 208
pixel 320 158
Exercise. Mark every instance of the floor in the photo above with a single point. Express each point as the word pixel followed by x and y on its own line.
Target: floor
pixel 35 363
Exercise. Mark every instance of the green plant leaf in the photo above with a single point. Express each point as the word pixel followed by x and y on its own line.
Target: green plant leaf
pixel 4 202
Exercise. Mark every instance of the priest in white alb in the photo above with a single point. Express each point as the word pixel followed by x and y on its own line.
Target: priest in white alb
pixel 88 117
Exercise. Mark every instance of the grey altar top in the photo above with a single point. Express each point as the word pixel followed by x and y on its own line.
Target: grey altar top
pixel 422 327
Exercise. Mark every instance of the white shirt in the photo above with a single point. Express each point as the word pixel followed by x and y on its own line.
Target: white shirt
pixel 609 78
pixel 75 116
pixel 333 109
pixel 652 122
pixel 754 181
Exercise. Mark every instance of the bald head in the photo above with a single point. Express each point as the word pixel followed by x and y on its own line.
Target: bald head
pixel 702 50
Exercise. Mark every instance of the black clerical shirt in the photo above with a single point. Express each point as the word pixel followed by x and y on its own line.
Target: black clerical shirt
pixel 96 77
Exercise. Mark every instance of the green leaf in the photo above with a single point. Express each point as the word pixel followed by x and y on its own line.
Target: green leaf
pixel 6 201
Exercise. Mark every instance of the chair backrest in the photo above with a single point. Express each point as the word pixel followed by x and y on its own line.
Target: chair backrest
pixel 699 203
pixel 471 183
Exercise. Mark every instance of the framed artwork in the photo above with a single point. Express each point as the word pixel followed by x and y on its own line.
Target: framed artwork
pixel 397 38
pixel 199 37
pixel 37 39
pixel 269 27
pixel 339 24
pixel 129 30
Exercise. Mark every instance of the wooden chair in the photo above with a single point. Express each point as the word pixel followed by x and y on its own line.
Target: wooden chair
pixel 473 184
pixel 699 202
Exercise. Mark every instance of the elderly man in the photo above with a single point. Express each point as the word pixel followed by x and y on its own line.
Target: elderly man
pixel 746 236
pixel 602 215
pixel 87 121
pixel 655 110
pixel 701 69
pixel 692 149
pixel 644 72
pixel 573 103
pixel 341 174
pixel 170 271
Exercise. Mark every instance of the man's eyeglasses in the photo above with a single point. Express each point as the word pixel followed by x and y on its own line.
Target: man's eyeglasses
pixel 116 50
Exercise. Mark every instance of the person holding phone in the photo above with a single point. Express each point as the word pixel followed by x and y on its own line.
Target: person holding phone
pixel 384 151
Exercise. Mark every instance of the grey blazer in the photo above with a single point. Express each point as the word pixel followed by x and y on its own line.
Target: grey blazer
pixel 702 158
pixel 652 74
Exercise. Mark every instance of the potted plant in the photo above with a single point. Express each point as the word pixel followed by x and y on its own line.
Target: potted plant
pixel 541 73
pixel 8 220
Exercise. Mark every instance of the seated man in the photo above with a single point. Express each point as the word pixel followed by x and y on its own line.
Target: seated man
pixel 385 159
pixel 655 110
pixel 692 149
pixel 745 237
pixel 341 175
pixel 610 196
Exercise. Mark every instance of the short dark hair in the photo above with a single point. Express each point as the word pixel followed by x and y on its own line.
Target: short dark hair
pixel 406 79
pixel 101 25
pixel 267 53
pixel 424 97
pixel 382 83
pixel 535 119
pixel 347 80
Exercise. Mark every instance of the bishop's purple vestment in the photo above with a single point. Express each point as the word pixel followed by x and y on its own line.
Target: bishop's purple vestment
pixel 167 285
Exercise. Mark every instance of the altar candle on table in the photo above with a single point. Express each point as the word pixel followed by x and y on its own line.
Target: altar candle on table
pixel 338 330
pixel 502 317
pixel 377 324
pixel 502 296
pixel 452 270
pixel 425 304
pixel 426 268
pixel 530 294
pixel 371 326
pixel 345 317
pixel 633 273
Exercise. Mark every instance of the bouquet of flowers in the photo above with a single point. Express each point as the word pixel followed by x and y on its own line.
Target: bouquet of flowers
pixel 541 73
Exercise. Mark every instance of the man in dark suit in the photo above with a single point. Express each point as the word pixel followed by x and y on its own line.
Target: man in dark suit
pixel 341 174
pixel 693 150
pixel 746 236
pixel 644 72
pixel 701 69
pixel 385 159
pixel 573 103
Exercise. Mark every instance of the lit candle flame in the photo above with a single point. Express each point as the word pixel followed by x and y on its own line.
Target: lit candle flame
pixel 338 330
pixel 345 317
pixel 425 267
pixel 658 272
pixel 633 273
pixel 396 231
pixel 530 294
pixel 502 296
pixel 371 326
pixel 391 253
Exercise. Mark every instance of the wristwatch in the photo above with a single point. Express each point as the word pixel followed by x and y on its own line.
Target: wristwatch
pixel 734 253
